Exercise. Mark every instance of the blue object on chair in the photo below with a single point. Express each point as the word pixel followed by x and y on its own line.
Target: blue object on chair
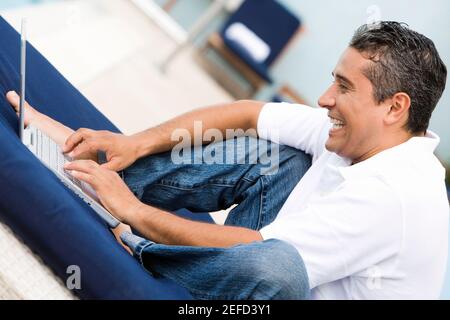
pixel 271 22
pixel 49 218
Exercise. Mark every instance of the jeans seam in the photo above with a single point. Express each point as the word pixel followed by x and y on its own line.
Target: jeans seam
pixel 141 248
pixel 200 294
pixel 249 180
pixel 262 202
pixel 193 187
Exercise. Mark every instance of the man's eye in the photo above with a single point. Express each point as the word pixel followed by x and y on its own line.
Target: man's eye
pixel 342 87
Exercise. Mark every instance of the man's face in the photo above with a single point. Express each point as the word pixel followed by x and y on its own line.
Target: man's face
pixel 358 121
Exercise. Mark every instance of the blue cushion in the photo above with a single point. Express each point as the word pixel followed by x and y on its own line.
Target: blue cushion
pixel 270 21
pixel 50 219
pixel 260 68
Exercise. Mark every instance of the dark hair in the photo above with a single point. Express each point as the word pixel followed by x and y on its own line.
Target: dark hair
pixel 403 61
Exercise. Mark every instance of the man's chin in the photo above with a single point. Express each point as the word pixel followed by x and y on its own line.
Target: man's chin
pixel 330 146
pixel 336 149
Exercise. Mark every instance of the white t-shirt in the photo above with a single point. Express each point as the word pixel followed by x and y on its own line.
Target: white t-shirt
pixel 374 230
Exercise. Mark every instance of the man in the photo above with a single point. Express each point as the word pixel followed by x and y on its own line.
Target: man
pixel 368 219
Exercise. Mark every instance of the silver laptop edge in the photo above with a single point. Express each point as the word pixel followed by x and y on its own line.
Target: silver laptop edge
pixel 25 136
pixel 23 59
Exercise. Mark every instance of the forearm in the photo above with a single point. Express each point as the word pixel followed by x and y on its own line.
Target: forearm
pixel 166 228
pixel 238 115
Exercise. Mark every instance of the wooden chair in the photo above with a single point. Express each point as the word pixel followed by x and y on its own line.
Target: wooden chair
pixel 272 25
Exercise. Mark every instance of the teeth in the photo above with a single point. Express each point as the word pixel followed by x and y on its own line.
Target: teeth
pixel 336 122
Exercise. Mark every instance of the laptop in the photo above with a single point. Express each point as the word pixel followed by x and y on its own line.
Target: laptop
pixel 50 153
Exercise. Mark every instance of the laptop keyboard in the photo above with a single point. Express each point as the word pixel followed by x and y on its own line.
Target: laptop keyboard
pixel 50 153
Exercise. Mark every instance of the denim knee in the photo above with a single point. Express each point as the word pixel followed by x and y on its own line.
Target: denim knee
pixel 277 272
pixel 295 162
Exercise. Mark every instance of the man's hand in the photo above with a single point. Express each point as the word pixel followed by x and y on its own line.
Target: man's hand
pixel 121 151
pixel 113 193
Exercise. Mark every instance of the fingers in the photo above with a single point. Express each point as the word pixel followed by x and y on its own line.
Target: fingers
pixel 83 170
pixel 83 177
pixel 76 138
pixel 84 166
pixel 86 146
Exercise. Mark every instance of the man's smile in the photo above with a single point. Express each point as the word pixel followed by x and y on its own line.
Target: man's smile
pixel 337 124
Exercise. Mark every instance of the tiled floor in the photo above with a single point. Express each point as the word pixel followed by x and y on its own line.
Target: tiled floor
pixel 111 52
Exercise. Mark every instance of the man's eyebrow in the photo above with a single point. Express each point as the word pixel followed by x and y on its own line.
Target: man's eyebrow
pixel 341 78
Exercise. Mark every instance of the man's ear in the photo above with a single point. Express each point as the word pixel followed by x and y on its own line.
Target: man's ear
pixel 399 109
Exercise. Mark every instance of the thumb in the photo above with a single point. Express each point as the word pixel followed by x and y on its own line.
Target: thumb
pixel 113 164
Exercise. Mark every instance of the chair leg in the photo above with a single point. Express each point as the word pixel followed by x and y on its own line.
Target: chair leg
pixel 220 75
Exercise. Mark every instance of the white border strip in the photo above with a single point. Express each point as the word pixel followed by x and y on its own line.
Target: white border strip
pixel 162 20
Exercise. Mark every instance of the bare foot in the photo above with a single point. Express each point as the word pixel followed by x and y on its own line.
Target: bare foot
pixel 30 112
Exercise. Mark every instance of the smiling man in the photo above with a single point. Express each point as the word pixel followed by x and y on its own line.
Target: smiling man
pixel 366 122
pixel 367 220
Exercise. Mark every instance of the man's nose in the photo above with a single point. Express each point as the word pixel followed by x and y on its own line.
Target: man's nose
pixel 327 100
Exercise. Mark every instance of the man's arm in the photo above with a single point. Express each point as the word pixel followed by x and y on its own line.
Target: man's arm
pixel 121 151
pixel 166 228
pixel 153 223
pixel 237 115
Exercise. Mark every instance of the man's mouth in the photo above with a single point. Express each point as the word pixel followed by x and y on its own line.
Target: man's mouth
pixel 337 124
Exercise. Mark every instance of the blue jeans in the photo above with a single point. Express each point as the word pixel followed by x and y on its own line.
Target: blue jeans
pixel 270 269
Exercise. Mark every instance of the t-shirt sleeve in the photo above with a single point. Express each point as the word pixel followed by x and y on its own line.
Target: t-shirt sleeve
pixel 343 233
pixel 298 126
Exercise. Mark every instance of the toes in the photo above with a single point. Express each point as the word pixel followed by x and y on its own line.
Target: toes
pixel 13 99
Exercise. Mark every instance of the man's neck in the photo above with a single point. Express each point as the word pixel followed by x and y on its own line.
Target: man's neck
pixel 398 139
